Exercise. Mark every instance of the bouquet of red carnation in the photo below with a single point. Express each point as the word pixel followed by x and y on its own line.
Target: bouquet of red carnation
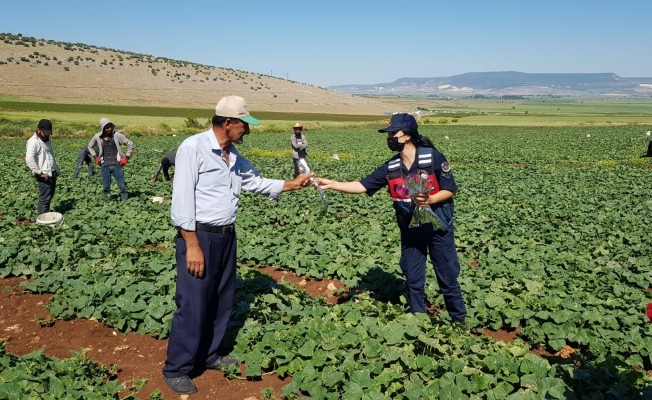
pixel 415 184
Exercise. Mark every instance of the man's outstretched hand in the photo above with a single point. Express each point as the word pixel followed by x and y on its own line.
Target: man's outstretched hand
pixel 301 181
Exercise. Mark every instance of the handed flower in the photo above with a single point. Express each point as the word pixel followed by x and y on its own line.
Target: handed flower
pixel 418 184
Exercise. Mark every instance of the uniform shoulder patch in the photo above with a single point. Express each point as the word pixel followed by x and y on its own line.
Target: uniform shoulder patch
pixel 445 167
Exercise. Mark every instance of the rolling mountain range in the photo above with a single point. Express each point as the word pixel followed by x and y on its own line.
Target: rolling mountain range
pixel 508 83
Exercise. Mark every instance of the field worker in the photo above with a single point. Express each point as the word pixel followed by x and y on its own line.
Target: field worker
pixel 166 163
pixel 209 176
pixel 649 150
pixel 299 146
pixel 110 156
pixel 40 160
pixel 416 154
pixel 84 157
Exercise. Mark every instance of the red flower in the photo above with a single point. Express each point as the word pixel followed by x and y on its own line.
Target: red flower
pixel 649 311
pixel 402 189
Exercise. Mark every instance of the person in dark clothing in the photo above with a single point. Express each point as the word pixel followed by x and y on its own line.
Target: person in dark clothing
pixel 167 162
pixel 84 157
pixel 649 150
pixel 417 157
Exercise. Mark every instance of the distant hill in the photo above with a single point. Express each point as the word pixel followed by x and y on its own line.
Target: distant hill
pixel 508 83
pixel 50 71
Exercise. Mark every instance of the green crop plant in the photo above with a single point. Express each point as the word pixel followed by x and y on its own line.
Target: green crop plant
pixel 36 376
pixel 549 246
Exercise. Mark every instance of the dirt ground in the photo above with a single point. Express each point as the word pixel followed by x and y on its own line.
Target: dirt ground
pixel 138 356
pixel 142 356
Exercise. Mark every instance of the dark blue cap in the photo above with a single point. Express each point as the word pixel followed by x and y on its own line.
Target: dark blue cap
pixel 400 122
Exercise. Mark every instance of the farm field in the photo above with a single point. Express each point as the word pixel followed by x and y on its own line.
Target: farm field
pixel 552 230
pixel 17 119
pixel 80 110
pixel 534 111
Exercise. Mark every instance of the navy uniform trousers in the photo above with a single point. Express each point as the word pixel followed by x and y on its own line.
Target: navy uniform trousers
pixel 416 244
pixel 203 305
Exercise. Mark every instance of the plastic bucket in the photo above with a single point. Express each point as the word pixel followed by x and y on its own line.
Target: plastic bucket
pixel 51 219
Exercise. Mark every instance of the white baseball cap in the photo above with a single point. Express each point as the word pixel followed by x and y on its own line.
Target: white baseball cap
pixel 235 107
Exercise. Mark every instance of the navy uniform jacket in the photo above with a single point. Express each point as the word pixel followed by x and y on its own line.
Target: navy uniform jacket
pixel 441 169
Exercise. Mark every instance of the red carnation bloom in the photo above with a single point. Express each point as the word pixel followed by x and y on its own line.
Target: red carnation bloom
pixel 649 311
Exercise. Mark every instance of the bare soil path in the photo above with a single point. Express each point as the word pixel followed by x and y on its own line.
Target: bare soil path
pixel 138 356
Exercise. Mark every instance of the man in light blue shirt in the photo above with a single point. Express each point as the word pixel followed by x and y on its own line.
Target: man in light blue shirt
pixel 209 175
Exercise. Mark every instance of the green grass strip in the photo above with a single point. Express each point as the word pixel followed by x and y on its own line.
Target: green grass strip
pixel 171 111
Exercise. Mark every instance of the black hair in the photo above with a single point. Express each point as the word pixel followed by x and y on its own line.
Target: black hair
pixel 418 140
pixel 218 120
pixel 425 142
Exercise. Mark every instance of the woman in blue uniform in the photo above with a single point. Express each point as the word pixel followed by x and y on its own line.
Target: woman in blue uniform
pixel 417 155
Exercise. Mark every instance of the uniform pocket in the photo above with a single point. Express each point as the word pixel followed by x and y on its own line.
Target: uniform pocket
pixel 450 254
pixel 447 210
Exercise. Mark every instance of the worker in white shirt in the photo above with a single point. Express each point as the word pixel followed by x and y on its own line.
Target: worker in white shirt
pixel 40 160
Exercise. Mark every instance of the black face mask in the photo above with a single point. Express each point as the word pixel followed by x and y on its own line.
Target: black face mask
pixel 394 144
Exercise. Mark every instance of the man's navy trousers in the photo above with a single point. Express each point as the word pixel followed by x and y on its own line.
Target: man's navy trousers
pixel 203 304
pixel 416 244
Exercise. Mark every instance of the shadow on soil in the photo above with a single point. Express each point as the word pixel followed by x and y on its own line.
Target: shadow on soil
pixel 382 285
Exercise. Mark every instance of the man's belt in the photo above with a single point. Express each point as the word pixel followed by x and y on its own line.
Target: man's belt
pixel 223 229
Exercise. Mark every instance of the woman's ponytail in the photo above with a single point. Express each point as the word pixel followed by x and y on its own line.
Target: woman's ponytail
pixel 424 142
pixel 418 140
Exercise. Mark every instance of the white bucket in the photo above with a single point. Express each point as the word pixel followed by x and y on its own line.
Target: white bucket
pixel 158 200
pixel 51 219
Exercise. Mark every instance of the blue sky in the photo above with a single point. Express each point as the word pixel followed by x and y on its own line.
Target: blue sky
pixel 337 42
